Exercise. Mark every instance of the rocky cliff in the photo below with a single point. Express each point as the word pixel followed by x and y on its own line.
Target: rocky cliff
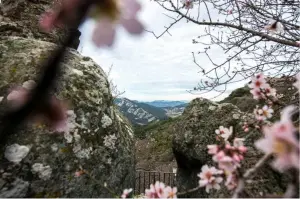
pixel 36 162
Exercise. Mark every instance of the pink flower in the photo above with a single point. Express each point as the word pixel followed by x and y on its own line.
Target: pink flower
pixel 53 111
pixel 228 164
pixel 298 43
pixel 257 94
pixel 260 89
pixel 280 139
pixel 62 13
pixel 237 142
pixel 275 26
pixel 229 157
pixel 159 190
pixel 297 83
pixel 264 113
pixel 187 4
pixel 224 132
pixel 108 13
pixel 170 192
pixel 231 181
pixel 257 81
pixel 18 97
pixel 209 179
pixel 268 90
pixel 79 173
pixel 217 157
pixel 104 32
pixel 126 193
pixel 212 149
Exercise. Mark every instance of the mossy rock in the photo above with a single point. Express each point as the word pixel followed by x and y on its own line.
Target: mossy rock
pixel 196 129
pixel 85 86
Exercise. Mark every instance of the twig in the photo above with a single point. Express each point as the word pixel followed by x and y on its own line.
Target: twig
pixel 247 174
pixel 188 191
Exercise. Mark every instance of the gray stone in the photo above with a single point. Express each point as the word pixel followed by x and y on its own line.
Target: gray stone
pixel 18 189
pixel 84 84
pixel 21 18
pixel 196 129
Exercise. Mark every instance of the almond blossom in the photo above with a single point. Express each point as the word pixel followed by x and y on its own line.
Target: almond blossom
pixel 53 112
pixel 280 140
pixel 79 173
pixel 297 83
pixel 212 149
pixel 126 192
pixel 231 181
pixel 159 190
pixel 275 26
pixel 228 157
pixel 260 89
pixel 238 142
pixel 107 13
pixel 224 132
pixel 209 178
pixel 263 113
pixel 187 4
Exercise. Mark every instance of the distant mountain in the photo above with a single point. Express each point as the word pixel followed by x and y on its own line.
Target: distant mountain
pixel 166 103
pixel 140 113
pixel 175 111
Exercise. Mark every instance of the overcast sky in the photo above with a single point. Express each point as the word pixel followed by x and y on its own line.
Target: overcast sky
pixel 148 68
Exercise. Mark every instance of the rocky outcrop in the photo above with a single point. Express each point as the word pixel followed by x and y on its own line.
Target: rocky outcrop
pixel 196 129
pixel 36 162
pixel 21 18
pixel 101 141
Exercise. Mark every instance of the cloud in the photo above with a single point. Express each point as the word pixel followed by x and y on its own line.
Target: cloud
pixel 148 68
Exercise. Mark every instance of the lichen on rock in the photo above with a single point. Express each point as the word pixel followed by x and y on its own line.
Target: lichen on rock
pixel 91 101
pixel 196 129
pixel 15 153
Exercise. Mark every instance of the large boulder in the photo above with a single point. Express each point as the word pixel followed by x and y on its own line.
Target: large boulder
pixel 196 129
pixel 21 18
pixel 101 140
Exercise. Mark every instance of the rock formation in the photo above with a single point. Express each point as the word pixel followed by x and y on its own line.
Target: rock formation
pixel 196 130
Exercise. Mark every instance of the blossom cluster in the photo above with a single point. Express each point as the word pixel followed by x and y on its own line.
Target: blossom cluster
pixel 281 140
pixel 157 190
pixel 228 157
pixel 160 190
pixel 260 89
pixel 210 178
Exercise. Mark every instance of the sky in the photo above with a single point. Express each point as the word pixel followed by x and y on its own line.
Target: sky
pixel 150 69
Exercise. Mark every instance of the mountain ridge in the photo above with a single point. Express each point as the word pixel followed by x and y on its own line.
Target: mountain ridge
pixel 142 113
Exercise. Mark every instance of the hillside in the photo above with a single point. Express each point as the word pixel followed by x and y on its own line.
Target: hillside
pixel 154 145
pixel 140 113
pixel 175 111
pixel 166 103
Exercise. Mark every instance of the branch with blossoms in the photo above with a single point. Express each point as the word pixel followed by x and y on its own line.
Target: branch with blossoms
pixel 255 36
pixel 281 141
